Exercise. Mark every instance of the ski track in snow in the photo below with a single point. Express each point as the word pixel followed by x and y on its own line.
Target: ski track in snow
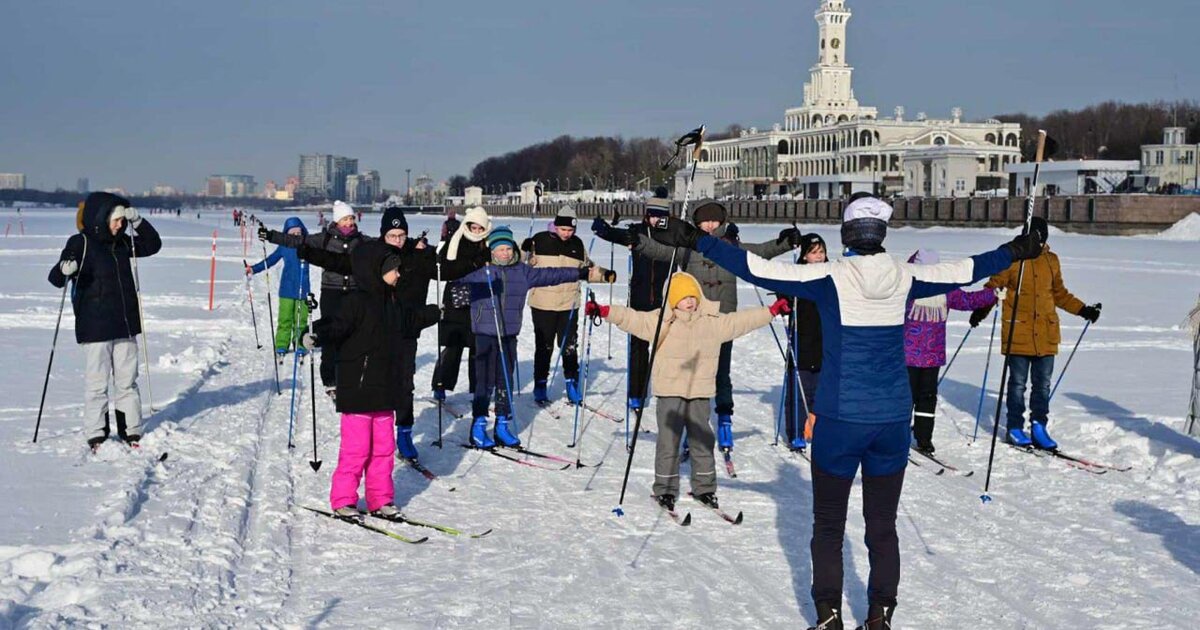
pixel 214 536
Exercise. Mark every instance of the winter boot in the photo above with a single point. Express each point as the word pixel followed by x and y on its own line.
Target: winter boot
pixel 94 443
pixel 667 501
pixel 348 512
pixel 404 443
pixel 280 355
pixel 573 395
pixel 539 393
pixel 725 431
pixel 388 511
pixel 133 441
pixel 1019 438
pixel 879 617
pixel 709 499
pixel 923 433
pixel 1042 439
pixel 479 434
pixel 797 444
pixel 635 404
pixel 439 395
pixel 503 434
pixel 829 617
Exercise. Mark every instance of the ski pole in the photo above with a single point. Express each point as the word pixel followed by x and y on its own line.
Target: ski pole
pixel 696 139
pixel 62 301
pixel 512 410
pixel 137 288
pixel 585 373
pixel 1012 322
pixel 960 346
pixel 629 356
pixel 612 263
pixel 271 320
pixel 253 317
pixel 312 386
pixel 439 366
pixel 983 386
pixel 1063 373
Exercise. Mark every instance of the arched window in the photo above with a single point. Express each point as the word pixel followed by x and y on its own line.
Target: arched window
pixel 843 118
pixel 939 141
pixel 703 155
pixel 1010 140
pixel 783 147
pixel 990 138
pixel 864 138
pixel 816 120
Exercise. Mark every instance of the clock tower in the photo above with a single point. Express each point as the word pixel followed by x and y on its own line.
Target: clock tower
pixel 829 87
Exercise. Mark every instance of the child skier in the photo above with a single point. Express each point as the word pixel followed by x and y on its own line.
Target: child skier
pixel 925 346
pixel 684 376
pixel 368 330
pixel 804 335
pixel 503 285
pixel 293 289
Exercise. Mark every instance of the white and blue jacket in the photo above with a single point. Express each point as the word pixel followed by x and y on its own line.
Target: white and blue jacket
pixel 862 302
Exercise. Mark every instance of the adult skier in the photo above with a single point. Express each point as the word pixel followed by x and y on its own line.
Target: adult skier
pixel 863 403
pixel 105 303
pixel 555 308
pixel 1036 338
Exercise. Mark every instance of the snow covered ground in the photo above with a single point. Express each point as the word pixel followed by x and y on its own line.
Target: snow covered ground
pixel 214 536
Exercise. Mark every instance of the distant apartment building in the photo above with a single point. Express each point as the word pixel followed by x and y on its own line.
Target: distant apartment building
pixel 230 186
pixel 162 190
pixel 363 187
pixel 324 175
pixel 1174 162
pixel 14 181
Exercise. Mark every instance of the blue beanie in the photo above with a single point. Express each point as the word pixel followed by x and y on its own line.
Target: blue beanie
pixel 501 235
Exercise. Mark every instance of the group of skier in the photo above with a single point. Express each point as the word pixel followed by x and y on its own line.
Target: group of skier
pixel 865 342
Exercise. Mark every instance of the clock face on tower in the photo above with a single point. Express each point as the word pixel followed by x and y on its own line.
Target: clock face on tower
pixel 836 43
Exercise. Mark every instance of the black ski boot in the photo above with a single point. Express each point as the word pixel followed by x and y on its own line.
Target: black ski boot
pixel 667 501
pixel 709 499
pixel 879 617
pixel 829 617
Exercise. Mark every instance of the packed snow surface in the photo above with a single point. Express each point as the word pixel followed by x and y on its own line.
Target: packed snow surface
pixel 214 535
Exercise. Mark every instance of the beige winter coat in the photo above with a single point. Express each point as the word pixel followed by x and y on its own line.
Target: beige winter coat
pixel 690 344
pixel 547 250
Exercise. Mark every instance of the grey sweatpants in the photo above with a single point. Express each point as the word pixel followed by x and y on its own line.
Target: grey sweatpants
pixel 118 360
pixel 674 414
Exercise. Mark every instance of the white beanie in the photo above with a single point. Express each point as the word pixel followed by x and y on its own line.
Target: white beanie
pixel 868 208
pixel 341 210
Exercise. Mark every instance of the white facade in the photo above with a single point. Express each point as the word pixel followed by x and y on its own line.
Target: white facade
pixel 473 196
pixel 703 187
pixel 1074 177
pixel 1174 161
pixel 833 146
pixel 15 181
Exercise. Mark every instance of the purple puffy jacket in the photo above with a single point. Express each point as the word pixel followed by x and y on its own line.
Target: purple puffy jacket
pixel 925 324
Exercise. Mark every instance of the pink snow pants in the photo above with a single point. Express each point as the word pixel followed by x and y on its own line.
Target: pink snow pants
pixel 368 442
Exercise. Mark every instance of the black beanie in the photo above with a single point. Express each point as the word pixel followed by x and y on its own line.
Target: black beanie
pixel 708 211
pixel 1038 225
pixel 393 219
pixel 808 242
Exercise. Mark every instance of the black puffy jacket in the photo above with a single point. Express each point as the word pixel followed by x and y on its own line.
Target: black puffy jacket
pixel 330 240
pixel 104 298
pixel 368 330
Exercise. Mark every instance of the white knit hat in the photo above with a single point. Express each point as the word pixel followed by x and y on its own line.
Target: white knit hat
pixel 341 210
pixel 867 208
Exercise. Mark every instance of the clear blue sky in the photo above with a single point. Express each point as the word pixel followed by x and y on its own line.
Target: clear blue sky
pixel 137 93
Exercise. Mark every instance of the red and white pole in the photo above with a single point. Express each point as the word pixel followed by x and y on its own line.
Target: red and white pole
pixel 212 272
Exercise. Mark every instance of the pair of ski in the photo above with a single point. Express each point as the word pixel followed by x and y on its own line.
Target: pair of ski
pixel 551 407
pixel 361 521
pixel 943 465
pixel 686 519
pixel 1078 463
pixel 567 464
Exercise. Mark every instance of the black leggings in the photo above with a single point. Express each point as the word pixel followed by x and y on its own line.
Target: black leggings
pixel 924 384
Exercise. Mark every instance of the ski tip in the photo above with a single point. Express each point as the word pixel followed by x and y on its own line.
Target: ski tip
pixel 687 520
pixel 985 498
pixel 737 520
pixel 163 457
pixel 618 511
pixel 481 534
pixel 316 465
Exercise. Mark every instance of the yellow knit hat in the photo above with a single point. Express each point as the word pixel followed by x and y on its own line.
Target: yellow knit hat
pixel 682 285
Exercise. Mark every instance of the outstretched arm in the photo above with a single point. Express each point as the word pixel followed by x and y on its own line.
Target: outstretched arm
pixel 785 278
pixel 929 280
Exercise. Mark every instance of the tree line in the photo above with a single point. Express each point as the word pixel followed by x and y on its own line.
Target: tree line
pixel 1110 131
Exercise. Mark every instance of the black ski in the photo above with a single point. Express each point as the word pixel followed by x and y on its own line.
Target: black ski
pixel 445 529
pixel 517 460
pixel 554 458
pixel 732 520
pixel 1089 463
pixel 683 521
pixel 1036 452
pixel 943 464
pixel 367 526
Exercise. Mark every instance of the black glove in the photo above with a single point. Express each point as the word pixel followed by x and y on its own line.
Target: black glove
pixel 1090 313
pixel 584 272
pixel 791 235
pixel 263 232
pixel 979 314
pixel 677 233
pixel 1025 246
pixel 610 276
pixel 601 227
pixel 312 303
